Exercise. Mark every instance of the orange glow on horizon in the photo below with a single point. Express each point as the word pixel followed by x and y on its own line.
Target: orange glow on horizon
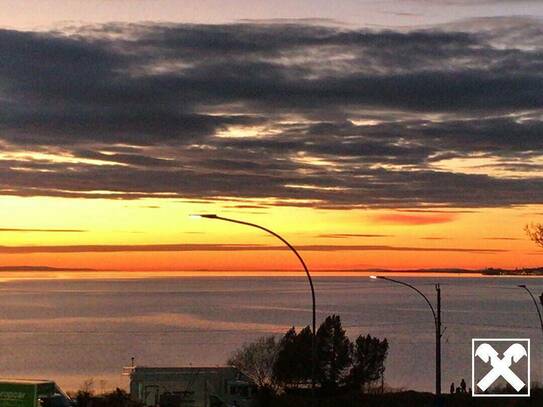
pixel 328 239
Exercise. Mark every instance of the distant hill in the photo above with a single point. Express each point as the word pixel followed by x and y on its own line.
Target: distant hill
pixel 429 270
pixel 41 268
pixel 537 271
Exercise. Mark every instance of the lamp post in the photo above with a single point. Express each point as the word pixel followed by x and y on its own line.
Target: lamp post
pixel 310 280
pixel 523 286
pixel 437 322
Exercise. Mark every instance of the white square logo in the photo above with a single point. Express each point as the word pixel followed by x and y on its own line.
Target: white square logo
pixel 500 367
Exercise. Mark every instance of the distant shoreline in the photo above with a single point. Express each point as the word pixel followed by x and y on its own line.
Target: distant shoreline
pixel 15 269
pixel 51 273
pixel 434 271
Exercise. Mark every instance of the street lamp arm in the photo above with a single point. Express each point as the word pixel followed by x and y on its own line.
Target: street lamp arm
pixel 417 290
pixel 535 303
pixel 314 307
pixel 437 322
pixel 271 232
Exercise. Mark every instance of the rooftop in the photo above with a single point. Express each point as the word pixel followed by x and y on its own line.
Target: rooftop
pixel 25 381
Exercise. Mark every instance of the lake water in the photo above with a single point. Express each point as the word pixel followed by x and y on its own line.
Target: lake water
pixel 73 329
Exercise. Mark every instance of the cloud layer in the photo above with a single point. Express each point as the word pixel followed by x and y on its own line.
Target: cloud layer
pixel 304 114
pixel 229 248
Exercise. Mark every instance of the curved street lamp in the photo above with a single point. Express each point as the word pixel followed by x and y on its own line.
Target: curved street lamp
pixel 310 280
pixel 523 286
pixel 437 322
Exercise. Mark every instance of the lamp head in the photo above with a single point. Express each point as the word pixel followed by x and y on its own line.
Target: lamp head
pixel 204 215
pixel 374 277
pixel 521 286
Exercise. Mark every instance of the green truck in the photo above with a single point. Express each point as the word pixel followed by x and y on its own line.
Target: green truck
pixel 32 393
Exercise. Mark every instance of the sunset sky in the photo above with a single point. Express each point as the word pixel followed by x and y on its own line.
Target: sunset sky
pixel 371 134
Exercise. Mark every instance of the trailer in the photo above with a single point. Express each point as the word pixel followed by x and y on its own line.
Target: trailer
pixel 32 393
pixel 206 386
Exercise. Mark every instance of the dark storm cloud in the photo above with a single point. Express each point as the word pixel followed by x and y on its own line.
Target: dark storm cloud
pixel 129 159
pixel 357 188
pixel 331 117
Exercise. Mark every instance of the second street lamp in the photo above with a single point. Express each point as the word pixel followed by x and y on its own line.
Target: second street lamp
pixel 523 286
pixel 310 280
pixel 437 322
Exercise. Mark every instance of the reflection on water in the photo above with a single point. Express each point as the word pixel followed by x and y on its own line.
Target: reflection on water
pixel 125 275
pixel 73 329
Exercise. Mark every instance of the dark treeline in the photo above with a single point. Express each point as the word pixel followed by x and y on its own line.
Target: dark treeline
pixel 285 365
pixel 348 373
pixel 116 398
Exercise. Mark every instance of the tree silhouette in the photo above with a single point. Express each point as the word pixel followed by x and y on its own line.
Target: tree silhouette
pixel 535 232
pixel 293 365
pixel 257 361
pixel 369 355
pixel 334 352
pixel 287 364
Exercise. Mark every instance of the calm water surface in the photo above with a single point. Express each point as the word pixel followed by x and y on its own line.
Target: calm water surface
pixel 71 330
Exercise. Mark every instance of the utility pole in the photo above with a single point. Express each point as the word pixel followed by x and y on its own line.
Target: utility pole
pixel 437 327
pixel 438 342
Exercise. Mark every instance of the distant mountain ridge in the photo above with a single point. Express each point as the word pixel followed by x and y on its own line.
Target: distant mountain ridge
pixel 536 271
pixel 42 268
pixel 487 271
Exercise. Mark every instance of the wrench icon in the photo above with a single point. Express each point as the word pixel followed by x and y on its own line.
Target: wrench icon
pixel 501 367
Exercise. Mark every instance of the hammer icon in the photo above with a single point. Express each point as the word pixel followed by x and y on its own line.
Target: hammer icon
pixel 501 367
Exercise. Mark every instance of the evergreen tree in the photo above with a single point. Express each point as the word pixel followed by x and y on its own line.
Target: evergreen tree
pixel 339 361
pixel 334 353
pixel 369 355
pixel 293 364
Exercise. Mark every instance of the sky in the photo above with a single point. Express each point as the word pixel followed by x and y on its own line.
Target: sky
pixel 370 134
